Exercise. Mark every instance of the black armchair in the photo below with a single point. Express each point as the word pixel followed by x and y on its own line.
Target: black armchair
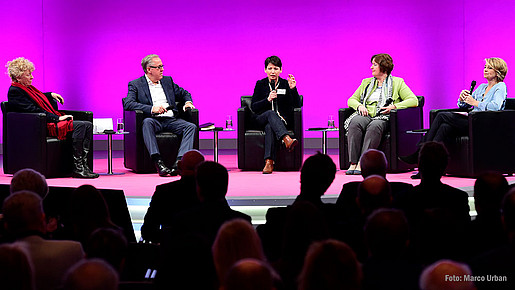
pixel 395 142
pixel 136 155
pixel 26 143
pixel 251 141
pixel 488 145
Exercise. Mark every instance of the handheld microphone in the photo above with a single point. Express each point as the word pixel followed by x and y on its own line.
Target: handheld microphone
pixel 388 102
pixel 274 101
pixel 472 86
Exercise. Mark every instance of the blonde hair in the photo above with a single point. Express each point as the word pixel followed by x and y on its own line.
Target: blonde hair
pixel 17 67
pixel 500 67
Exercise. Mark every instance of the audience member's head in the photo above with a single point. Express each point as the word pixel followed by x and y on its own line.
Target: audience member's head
pixel 432 161
pixel 439 276
pixel 304 224
pixel 91 274
pixel 317 174
pixel 373 193
pixel 330 264
pixel 31 180
pixel 189 162
pixel 249 274
pixel 508 213
pixel 386 233
pixel 489 191
pixel 23 212
pixel 373 162
pixel 212 181
pixel 88 212
pixel 236 240
pixel 15 268
pixel 108 244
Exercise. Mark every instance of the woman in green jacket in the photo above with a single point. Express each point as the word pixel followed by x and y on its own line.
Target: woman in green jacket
pixel 373 101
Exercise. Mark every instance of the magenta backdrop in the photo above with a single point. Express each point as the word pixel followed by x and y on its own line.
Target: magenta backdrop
pixel 89 50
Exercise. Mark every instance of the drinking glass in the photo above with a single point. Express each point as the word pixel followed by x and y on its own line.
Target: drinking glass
pixel 228 122
pixel 330 122
pixel 119 125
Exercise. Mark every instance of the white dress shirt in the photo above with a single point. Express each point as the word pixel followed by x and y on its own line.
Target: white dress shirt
pixel 158 97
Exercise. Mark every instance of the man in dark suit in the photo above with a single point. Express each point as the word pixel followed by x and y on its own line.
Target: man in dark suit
pixel 316 175
pixel 373 162
pixel 172 198
pixel 205 219
pixel 155 95
pixel 25 222
pixel 186 243
pixel 438 214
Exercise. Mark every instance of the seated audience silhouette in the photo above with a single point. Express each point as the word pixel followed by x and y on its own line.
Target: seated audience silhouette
pixel 373 162
pixel 249 274
pixel 109 245
pixel 172 198
pixel 316 175
pixel 206 219
pixel 438 276
pixel 304 224
pixel 15 268
pixel 438 214
pixel 499 263
pixel 388 265
pixel 487 231
pixel 330 264
pixel 88 212
pixel 25 221
pixel 193 231
pixel 91 274
pixel 31 180
pixel 235 240
pixel 373 193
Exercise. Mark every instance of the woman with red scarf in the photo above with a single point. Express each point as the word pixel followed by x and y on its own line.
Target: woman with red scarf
pixel 25 98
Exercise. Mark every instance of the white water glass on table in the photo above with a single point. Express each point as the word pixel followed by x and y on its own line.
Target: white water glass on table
pixel 330 122
pixel 119 125
pixel 228 122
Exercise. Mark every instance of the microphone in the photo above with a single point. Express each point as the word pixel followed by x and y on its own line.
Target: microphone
pixel 274 101
pixel 472 86
pixel 388 102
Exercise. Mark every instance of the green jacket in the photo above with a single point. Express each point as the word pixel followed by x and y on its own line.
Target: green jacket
pixel 402 96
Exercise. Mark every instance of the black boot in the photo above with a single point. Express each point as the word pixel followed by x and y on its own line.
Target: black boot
pixel 85 151
pixel 78 161
pixel 410 159
pixel 162 170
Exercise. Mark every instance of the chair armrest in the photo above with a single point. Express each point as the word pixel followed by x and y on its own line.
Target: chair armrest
pixel 491 139
pixel 343 114
pixel 133 121
pixel 240 116
pixel 406 119
pixel 497 124
pixel 297 123
pixel 433 113
pixel 25 128
pixel 79 115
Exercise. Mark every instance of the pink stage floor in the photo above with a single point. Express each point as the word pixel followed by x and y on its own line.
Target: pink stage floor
pixel 242 184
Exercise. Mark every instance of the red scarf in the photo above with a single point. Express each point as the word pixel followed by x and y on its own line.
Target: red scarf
pixel 59 129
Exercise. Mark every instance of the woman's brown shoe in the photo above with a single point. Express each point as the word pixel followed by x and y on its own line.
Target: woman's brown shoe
pixel 269 166
pixel 289 143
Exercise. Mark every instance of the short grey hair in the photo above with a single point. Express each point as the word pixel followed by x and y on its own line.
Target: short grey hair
pixel 145 62
pixel 29 179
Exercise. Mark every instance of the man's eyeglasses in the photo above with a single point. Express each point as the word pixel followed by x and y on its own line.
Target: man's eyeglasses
pixel 158 67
